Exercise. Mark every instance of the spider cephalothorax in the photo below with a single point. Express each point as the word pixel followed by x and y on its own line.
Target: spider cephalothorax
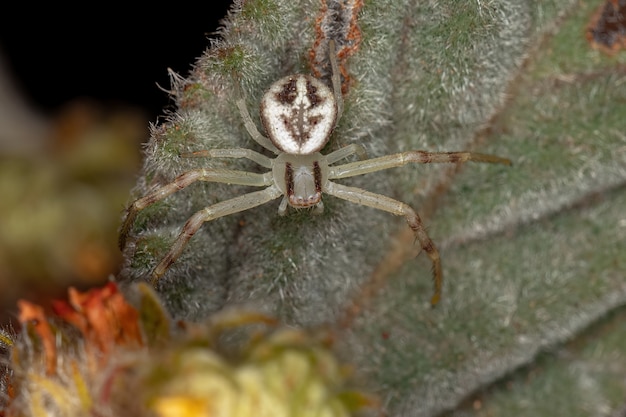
pixel 299 113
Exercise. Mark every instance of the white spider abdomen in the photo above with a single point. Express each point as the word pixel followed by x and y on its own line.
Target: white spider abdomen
pixel 298 113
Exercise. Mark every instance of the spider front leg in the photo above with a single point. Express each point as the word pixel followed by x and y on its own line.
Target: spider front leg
pixel 420 157
pixel 184 180
pixel 221 209
pixel 234 153
pixel 381 202
pixel 346 151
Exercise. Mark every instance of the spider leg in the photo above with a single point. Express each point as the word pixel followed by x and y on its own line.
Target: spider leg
pixel 256 157
pixel 381 202
pixel 336 78
pixel 252 130
pixel 221 209
pixel 345 152
pixel 420 157
pixel 184 180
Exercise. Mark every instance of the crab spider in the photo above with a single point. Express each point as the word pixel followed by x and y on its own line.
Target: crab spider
pixel 299 113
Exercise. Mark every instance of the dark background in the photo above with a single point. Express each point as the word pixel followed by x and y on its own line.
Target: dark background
pixel 111 54
pixel 90 74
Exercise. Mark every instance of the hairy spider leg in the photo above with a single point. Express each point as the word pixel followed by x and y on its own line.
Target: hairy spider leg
pixel 184 180
pixel 420 157
pixel 260 159
pixel 385 203
pixel 345 152
pixel 252 130
pixel 335 78
pixel 382 202
pixel 221 209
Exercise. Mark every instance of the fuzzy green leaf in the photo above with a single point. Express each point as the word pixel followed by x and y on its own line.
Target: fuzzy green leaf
pixel 532 254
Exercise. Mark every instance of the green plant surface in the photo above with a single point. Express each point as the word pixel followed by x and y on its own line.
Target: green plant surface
pixel 532 254
pixel 593 364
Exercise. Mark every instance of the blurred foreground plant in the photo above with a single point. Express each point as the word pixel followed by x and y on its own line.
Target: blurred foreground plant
pixel 98 355
pixel 60 202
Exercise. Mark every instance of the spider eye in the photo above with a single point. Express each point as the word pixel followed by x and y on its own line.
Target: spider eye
pixel 299 113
